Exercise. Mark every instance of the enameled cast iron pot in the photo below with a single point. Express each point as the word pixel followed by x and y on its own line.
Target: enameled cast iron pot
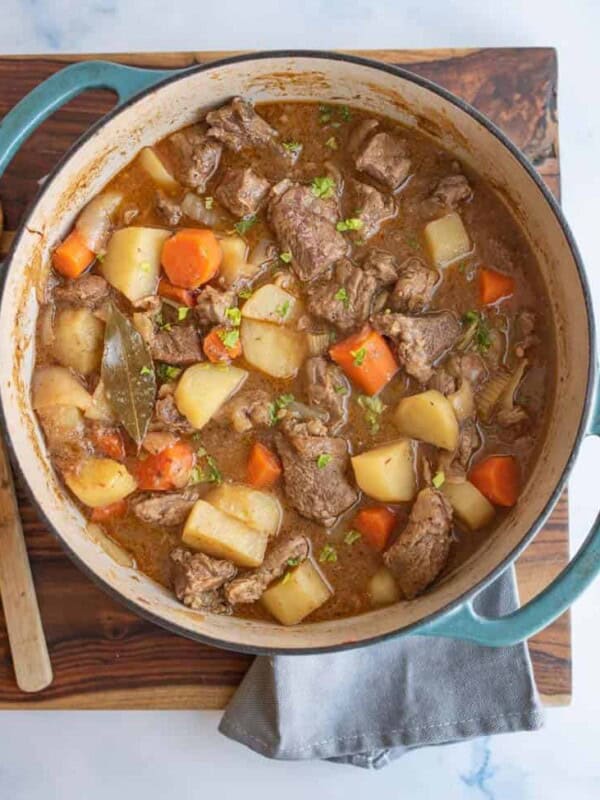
pixel 151 105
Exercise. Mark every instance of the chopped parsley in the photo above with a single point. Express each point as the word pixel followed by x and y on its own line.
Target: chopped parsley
pixel 167 373
pixel 293 562
pixel 182 313
pixel 350 224
pixel 229 337
pixel 352 537
pixel 282 309
pixel 209 203
pixel 475 321
pixel 287 577
pixel 286 256
pixel 244 225
pixel 100 257
pixel 373 408
pixel 358 356
pixel 342 296
pixel 208 474
pixel 343 390
pixel 281 402
pixel 323 460
pixel 332 143
pixel 245 293
pixel 328 555
pixel 327 114
pixel 292 147
pixel 438 479
pixel 323 187
pixel 145 266
pixel 145 370
pixel 234 315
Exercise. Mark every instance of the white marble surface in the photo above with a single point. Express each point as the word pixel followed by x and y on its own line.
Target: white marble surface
pixel 68 755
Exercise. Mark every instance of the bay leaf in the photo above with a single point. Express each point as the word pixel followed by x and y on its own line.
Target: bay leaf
pixel 128 375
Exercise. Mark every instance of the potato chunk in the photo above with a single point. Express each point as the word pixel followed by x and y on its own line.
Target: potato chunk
pixel 234 264
pixel 278 351
pixel 428 416
pixel 382 588
pixel 132 261
pixel 300 592
pixel 150 162
pixel 203 388
pixel 57 386
pixel 100 409
pixel 469 505
pixel 387 473
pixel 78 340
pixel 100 482
pixel 259 510
pixel 446 239
pixel 271 303
pixel 211 531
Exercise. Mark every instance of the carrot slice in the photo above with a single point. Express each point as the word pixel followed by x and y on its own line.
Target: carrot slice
pixel 169 469
pixel 263 468
pixel 222 344
pixel 191 257
pixel 366 359
pixel 182 296
pixel 493 286
pixel 73 256
pixel 108 442
pixel 497 477
pixel 376 524
pixel 112 511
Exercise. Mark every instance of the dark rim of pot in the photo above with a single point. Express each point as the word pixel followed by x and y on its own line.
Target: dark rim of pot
pixel 424 83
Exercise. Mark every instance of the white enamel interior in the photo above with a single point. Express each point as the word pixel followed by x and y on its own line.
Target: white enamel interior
pixel 179 103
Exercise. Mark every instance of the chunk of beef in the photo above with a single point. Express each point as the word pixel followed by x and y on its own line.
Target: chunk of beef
pixel 238 126
pixel 211 306
pixel 415 286
pixel 467 366
pixel 384 157
pixel 509 417
pixel 305 226
pixel 421 551
pixel 468 442
pixel 179 345
pixel 166 415
pixel 452 190
pixel 168 209
pixel 251 409
pixel 65 436
pixel 198 580
pixel 242 191
pixel 195 157
pixel 442 381
pixel 370 206
pixel 292 425
pixel 164 508
pixel 89 291
pixel 382 265
pixel 249 587
pixel 360 132
pixel 345 298
pixel 317 492
pixel 420 340
pixel 324 381
pixel 525 326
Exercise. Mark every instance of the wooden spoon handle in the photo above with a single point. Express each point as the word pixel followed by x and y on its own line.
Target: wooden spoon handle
pixel 31 661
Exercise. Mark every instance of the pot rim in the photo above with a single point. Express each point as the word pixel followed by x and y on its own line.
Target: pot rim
pixel 523 162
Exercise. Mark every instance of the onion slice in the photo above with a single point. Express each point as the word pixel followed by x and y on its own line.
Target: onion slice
pixel 95 223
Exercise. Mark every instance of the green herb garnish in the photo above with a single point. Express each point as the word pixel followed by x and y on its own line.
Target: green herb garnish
pixel 358 356
pixel 244 225
pixel 287 577
pixel 234 315
pixel 145 371
pixel 342 296
pixel 325 113
pixel 283 309
pixel 345 113
pixel 229 338
pixel 328 555
pixel 323 187
pixel 182 313
pixel 350 224
pixel 332 143
pixel 281 402
pixel 352 536
pixel 343 390
pixel 245 293
pixel 208 203
pixel 145 266
pixel 209 474
pixel 373 408
pixel 100 257
pixel 286 256
pixel 481 336
pixel 293 562
pixel 323 460
pixel 167 373
pixel 292 147
pixel 438 479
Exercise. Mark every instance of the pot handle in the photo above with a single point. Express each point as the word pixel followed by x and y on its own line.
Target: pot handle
pixel 465 623
pixel 49 96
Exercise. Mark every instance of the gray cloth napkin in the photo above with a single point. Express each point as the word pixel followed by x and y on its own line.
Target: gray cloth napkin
pixel 369 706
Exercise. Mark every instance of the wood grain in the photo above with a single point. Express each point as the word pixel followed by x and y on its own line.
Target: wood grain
pixel 105 657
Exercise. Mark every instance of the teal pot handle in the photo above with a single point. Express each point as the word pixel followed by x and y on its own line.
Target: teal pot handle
pixel 465 623
pixel 49 96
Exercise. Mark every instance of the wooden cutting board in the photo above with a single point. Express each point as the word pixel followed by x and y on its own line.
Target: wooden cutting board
pixel 104 656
